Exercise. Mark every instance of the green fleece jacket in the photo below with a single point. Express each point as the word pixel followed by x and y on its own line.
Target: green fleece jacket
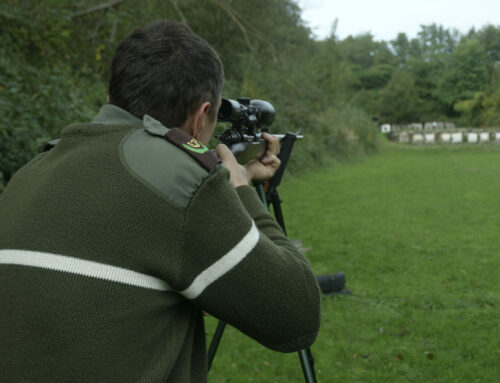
pixel 112 244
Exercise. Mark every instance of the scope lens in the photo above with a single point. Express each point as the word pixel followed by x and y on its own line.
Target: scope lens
pixel 224 110
pixel 230 110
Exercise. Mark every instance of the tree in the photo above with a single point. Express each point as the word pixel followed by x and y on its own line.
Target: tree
pixel 489 37
pixel 491 101
pixel 435 40
pixel 398 102
pixel 465 73
pixel 401 47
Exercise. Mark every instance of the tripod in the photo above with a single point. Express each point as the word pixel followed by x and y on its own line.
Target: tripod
pixel 271 197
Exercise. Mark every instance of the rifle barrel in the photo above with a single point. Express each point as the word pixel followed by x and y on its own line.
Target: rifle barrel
pixel 246 137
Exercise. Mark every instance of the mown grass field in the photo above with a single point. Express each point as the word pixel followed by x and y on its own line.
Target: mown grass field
pixel 417 232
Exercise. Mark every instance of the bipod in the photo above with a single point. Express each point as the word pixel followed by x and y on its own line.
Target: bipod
pixel 271 197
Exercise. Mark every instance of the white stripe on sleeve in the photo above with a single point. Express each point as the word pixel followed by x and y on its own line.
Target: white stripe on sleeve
pixel 81 267
pixel 224 264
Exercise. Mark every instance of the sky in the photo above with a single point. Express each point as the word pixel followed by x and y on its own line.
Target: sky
pixel 386 18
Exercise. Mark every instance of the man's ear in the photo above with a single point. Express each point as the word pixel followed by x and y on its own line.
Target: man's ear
pixel 198 119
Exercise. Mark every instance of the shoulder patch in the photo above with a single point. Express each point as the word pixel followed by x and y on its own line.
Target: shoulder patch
pixel 204 156
pixel 193 147
pixel 168 171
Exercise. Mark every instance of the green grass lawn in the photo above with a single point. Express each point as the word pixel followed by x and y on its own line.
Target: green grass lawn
pixel 417 232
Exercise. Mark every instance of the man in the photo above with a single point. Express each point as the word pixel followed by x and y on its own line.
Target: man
pixel 114 242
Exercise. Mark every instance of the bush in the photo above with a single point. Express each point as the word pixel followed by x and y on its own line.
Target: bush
pixel 55 56
pixel 40 92
pixel 35 106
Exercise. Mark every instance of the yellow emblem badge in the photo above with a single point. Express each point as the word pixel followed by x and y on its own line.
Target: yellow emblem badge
pixel 194 144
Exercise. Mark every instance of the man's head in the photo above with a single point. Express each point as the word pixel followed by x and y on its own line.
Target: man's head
pixel 170 73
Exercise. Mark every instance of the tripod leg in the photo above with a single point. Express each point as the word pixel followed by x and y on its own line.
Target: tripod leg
pixel 307 363
pixel 259 187
pixel 305 356
pixel 215 343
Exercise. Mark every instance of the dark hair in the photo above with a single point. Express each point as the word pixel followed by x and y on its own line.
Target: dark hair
pixel 167 71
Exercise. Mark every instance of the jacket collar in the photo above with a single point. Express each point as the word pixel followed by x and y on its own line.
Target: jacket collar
pixel 112 115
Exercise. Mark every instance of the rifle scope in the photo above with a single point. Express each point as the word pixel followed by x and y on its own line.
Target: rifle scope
pixel 256 114
pixel 248 118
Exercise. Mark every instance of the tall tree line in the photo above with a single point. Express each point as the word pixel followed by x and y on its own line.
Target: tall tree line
pixel 438 75
pixel 55 56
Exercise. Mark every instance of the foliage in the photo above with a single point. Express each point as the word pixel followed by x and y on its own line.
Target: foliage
pixel 465 73
pixel 39 91
pixel 55 57
pixel 399 99
pixel 491 101
pixel 450 73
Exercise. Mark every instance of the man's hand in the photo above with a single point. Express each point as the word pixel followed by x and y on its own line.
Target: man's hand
pixel 255 170
pixel 263 169
pixel 238 174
